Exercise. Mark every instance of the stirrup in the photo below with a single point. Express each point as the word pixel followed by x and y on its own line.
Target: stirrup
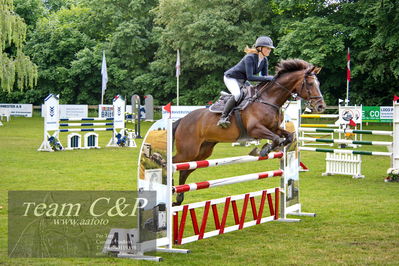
pixel 223 122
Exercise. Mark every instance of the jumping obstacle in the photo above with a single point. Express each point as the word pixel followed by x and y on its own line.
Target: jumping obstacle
pixel 155 172
pixel 348 162
pixel 53 123
pixel 344 116
pixel 228 203
pixel 317 134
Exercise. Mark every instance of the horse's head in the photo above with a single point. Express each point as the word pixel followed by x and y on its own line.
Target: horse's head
pixel 294 77
pixel 310 90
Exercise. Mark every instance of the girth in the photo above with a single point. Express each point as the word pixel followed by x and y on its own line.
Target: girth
pixel 243 131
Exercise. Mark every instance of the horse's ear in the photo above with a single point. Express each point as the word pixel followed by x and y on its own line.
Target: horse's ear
pixel 316 70
pixel 310 70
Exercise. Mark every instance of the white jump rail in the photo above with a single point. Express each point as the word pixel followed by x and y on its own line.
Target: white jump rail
pixel 372 153
pixel 320 116
pixel 353 131
pixel 224 161
pixel 225 181
pixel 344 141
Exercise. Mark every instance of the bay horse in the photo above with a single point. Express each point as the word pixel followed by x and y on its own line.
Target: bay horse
pixel 196 134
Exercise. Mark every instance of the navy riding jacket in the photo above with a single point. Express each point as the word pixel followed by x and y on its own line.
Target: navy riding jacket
pixel 247 68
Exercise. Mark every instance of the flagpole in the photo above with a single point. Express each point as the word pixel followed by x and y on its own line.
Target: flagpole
pixel 177 76
pixel 177 91
pixel 348 77
pixel 104 77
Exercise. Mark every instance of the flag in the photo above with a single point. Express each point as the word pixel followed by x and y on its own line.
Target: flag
pixel 352 123
pixel 178 64
pixel 104 74
pixel 395 98
pixel 168 108
pixel 348 68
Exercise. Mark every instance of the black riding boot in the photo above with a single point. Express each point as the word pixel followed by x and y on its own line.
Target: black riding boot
pixel 224 119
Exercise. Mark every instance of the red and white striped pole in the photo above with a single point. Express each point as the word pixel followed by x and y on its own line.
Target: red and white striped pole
pixel 224 161
pixel 225 181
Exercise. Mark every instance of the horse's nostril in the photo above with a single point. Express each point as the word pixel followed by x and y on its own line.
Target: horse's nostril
pixel 320 108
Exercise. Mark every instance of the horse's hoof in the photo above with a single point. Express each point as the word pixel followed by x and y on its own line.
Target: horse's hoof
pixel 254 152
pixel 264 152
pixel 281 142
pixel 179 199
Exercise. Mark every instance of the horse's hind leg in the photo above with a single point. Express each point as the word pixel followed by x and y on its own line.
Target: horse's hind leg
pixel 204 152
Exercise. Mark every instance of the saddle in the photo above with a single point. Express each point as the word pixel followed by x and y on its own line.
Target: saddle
pixel 247 92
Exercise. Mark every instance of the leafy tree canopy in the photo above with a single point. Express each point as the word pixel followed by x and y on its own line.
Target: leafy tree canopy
pixel 66 39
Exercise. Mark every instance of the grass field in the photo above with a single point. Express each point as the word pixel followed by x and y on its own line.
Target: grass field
pixel 356 223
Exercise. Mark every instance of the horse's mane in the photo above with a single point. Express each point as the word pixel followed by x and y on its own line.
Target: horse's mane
pixel 291 65
pixel 288 66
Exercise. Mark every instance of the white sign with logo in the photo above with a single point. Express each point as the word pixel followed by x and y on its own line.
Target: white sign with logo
pixel 17 109
pixel 386 112
pixel 70 110
pixel 180 111
pixel 348 113
pixel 105 111
pixel 73 110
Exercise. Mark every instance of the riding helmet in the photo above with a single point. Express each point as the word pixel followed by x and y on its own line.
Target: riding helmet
pixel 264 41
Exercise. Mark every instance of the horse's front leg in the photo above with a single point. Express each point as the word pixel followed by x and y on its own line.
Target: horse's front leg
pixel 261 132
pixel 289 137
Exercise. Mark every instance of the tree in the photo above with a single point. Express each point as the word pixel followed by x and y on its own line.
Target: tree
pixel 30 10
pixel 375 42
pixel 211 36
pixel 321 42
pixel 125 28
pixel 16 67
pixel 54 46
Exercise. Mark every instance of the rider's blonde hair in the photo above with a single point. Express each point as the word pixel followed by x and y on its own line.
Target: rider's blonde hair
pixel 251 50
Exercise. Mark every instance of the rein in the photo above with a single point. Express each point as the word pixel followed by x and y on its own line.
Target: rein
pixel 256 97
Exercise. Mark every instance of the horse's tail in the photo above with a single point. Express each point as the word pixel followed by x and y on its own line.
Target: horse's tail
pixel 174 127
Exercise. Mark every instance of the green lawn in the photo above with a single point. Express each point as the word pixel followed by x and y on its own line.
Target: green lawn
pixel 356 223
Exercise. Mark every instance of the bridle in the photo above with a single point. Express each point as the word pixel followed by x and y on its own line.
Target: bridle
pixel 295 96
pixel 310 98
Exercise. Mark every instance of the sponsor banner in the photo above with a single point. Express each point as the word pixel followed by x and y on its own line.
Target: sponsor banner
pixel 179 111
pixel 377 113
pixel 107 110
pixel 70 110
pixel 73 110
pixel 48 224
pixel 17 109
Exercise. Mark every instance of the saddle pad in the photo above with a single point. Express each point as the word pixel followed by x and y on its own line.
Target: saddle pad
pixel 218 106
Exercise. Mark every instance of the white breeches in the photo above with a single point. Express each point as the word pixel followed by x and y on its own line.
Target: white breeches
pixel 233 86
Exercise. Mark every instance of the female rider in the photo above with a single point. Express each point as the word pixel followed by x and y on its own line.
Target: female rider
pixel 254 62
